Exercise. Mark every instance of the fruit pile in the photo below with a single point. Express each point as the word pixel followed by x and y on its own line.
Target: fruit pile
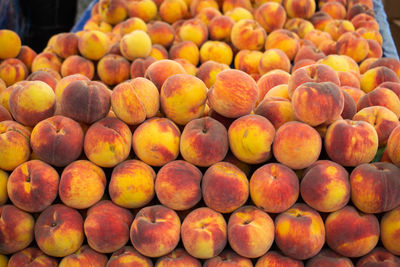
pixel 202 132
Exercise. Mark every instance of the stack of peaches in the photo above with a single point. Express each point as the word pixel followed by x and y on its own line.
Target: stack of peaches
pixel 186 133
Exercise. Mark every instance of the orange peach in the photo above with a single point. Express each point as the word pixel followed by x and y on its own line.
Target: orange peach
pixel 317 37
pixel 393 86
pixel 327 257
pixel 60 86
pixel 352 44
pixel 380 97
pixel 273 59
pixel 183 98
pixel 16 228
pixel 271 16
pixel 112 11
pixel 93 44
pixel 208 71
pixel 108 142
pixel 132 184
pixel 390 63
pixel 359 8
pixel 276 258
pixel 107 226
pixel 160 33
pixel 233 94
pixel 78 65
pixel 13 70
pixel 340 63
pixel 178 258
pixel 187 50
pixel 375 49
pixel 95 23
pixel 43 76
pixel 10 43
pixel 3 187
pixel 379 257
pixel 82 184
pixel 189 67
pixel 288 145
pixel 349 107
pixel 65 44
pixel 351 143
pixel 390 225
pixel 363 20
pixel 250 138
pixel 155 231
pixel 374 187
pixel 204 233
pixel 299 26
pixel 220 28
pixel 139 66
pixel 128 256
pixel 308 52
pixel 183 191
pixel 194 30
pixel 85 256
pixel 228 258
pixel 355 93
pixel 317 103
pixel 135 44
pixel 248 61
pixel 216 51
pixel 161 70
pixel 113 69
pixel 204 142
pixel 196 6
pixel 46 60
pixel 300 9
pixel 248 34
pixel 59 230
pixel 131 25
pixel 325 186
pixel 320 19
pixel 250 232
pixel 156 151
pixel 158 52
pixel 284 40
pixel 342 237
pixel 4 114
pixel 348 79
pixel 27 55
pixel 299 232
pixel 144 9
pixel 31 256
pixel 173 10
pixel 276 109
pixel 206 14
pixel 32 102
pixel 85 101
pixel 271 79
pixel 337 27
pixel 334 9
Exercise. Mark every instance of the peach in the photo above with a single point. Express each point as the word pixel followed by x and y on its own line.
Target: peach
pixel 317 37
pixel 276 258
pixel 183 98
pixel 317 103
pixel 128 256
pixel 132 184
pixel 300 9
pixel 94 44
pixel 196 6
pixel 204 233
pixel 393 86
pixel 95 23
pixel 156 151
pixel 160 33
pixel 143 100
pixel 340 63
pixel 206 14
pixel 355 93
pixel 220 28
pixel 334 9
pixel 46 60
pixel 208 71
pixel 178 258
pixel 233 94
pixel 144 9
pixel 204 141
pixel 112 11
pixel 65 44
pixel 183 191
pixel 187 50
pixel 173 10
pixel 4 114
pixel 77 65
pixel 3 187
pixel 85 256
pixel 85 101
pixel 250 232
pixel 25 186
pixel 327 257
pixel 250 138
pixel 390 225
pixel 16 228
pixel 273 59
pixel 308 52
pixel 248 61
pixel 10 43
pixel 271 16
pixel 368 3
pixel 194 30
pixel 299 232
pixel 272 178
pixel 107 142
pixel 31 256
pixel 139 66
pixel 13 70
pixel 375 49
pixel 43 76
pixel 383 120
pixel 131 25
pixel 352 44
pixel 189 67
pixel 216 51
pixel 337 27
pixel 135 44
pixel 374 187
pixel 342 237
pixel 82 184
pixel 59 230
pixel 60 86
pixel 392 146
pixel 155 231
pixel 325 186
pixel 277 110
pixel 161 70
pixel 32 102
pixel 348 79
pixel 228 258
pixel 113 69
pixel 351 143
pixel 349 107
pixel 107 226
pixel 231 4
pixel 359 8
pixel 14 144
pixel 390 63
pixel 284 40
pixel 288 145
pixel 271 79
pixel 320 19
pixel 363 20
pixel 380 97
pixel 248 34
pixel 379 257
pixel 57 140
pixel 239 13
pixel 158 52
pixel 299 26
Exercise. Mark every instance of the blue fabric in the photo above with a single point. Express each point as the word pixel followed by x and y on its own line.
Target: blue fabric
pixel 84 17
pixel 388 46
